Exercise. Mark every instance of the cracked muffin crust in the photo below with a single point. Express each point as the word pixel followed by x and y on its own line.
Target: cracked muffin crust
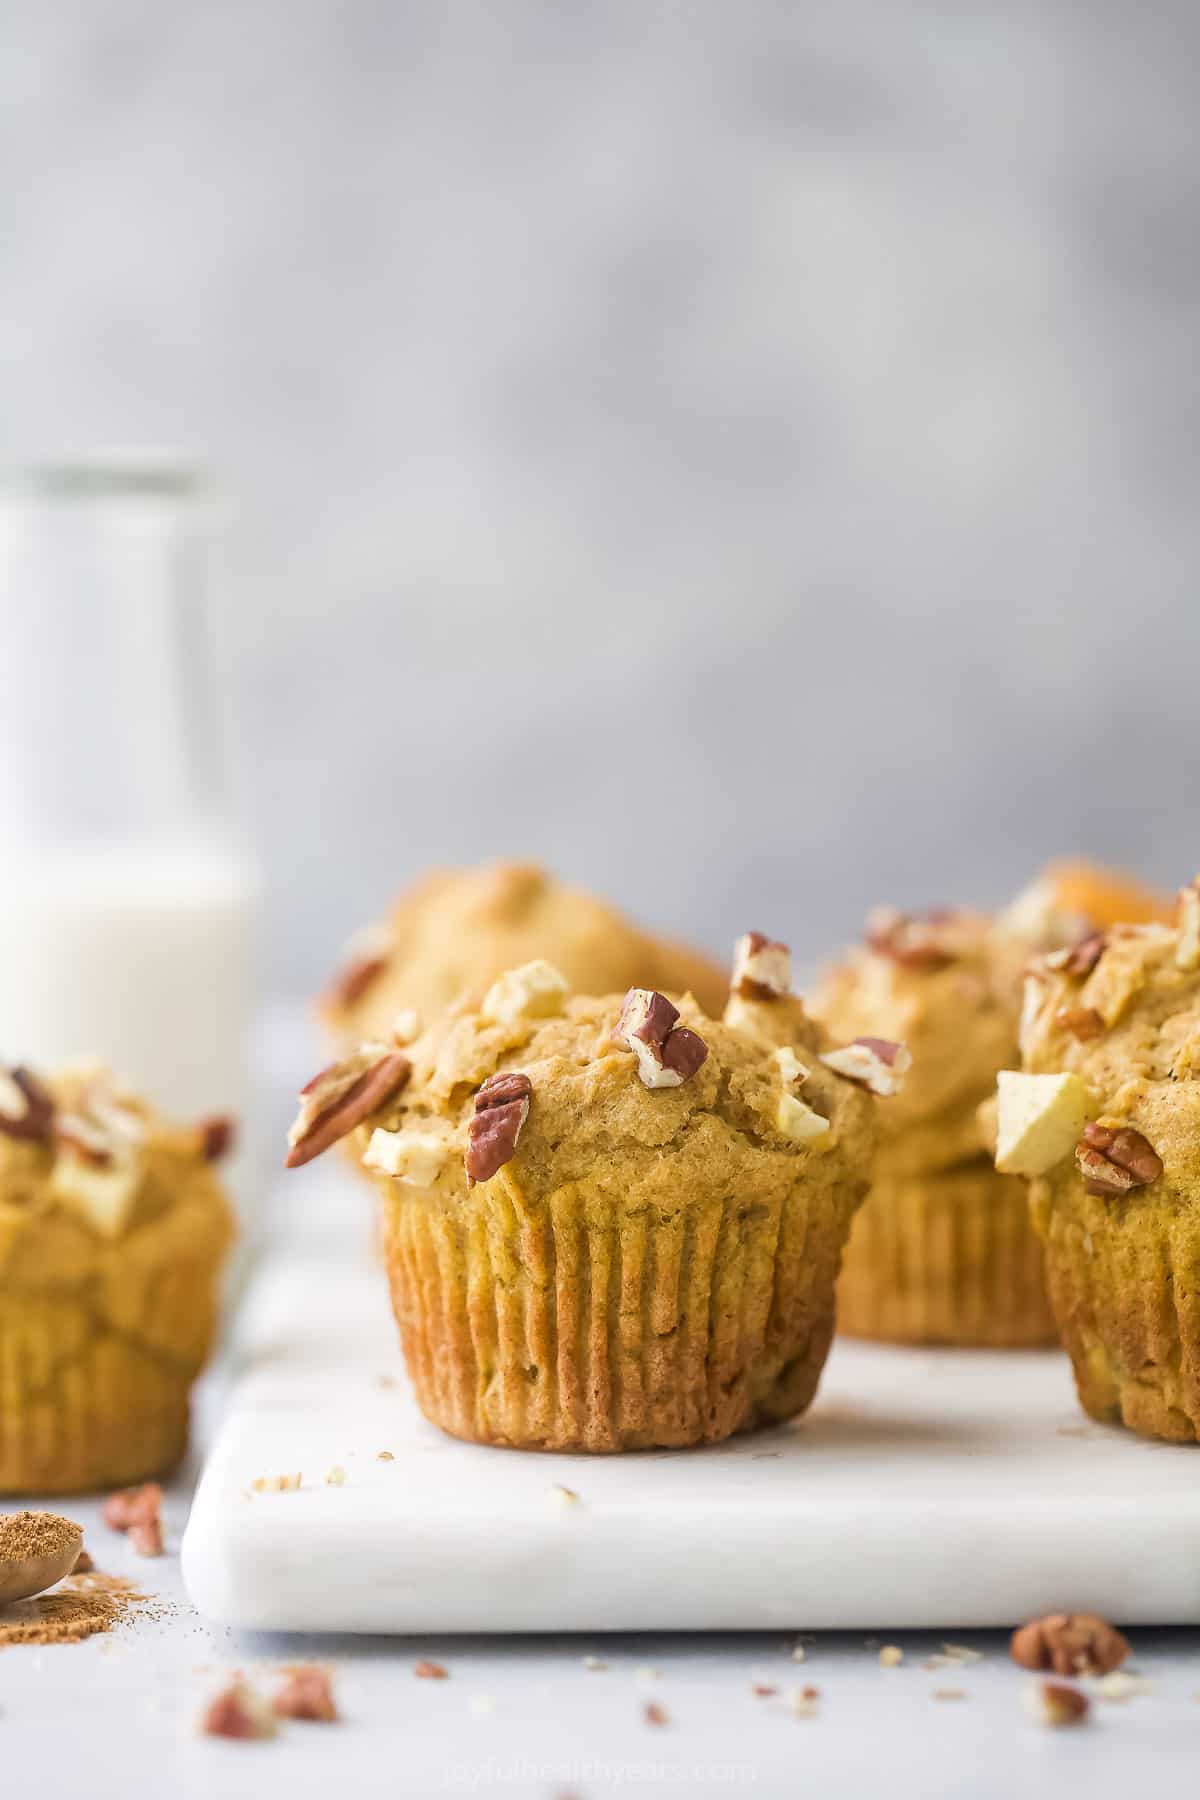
pixel 1117 1202
pixel 453 932
pixel 615 1223
pixel 113 1228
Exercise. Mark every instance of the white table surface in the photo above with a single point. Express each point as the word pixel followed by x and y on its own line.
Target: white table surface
pixel 522 1715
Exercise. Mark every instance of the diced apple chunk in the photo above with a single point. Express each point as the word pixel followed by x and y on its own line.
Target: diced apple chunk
pixel 1040 1119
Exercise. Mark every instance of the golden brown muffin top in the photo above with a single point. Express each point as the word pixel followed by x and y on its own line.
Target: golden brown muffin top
pixel 1121 1011
pixel 943 983
pixel 638 1091
pixel 83 1162
pixel 453 932
pixel 1123 1002
pixel 948 983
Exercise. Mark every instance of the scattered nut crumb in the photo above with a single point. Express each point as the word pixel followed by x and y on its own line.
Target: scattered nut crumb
pixel 798 1653
pixel 891 1656
pixel 431 1671
pixel 1120 1685
pixel 646 1673
pixel 276 1484
pixel 306 1694
pixel 238 1711
pixel 804 1702
pixel 654 1714
pixel 949 1693
pixel 385 1456
pixel 1053 1704
pixel 594 1662
pixel 962 1653
pixel 763 1690
pixel 336 1476
pixel 564 1496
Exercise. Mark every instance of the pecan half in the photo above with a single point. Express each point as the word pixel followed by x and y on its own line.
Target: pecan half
pixel 1112 1161
pixel 501 1109
pixel 216 1136
pixel 762 967
pixel 26 1109
pixel 1083 1022
pixel 306 1693
pixel 1069 1644
pixel 341 1097
pixel 914 940
pixel 875 1063
pixel 667 1054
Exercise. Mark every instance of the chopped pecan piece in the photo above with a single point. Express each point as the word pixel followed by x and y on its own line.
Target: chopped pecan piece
pixel 133 1506
pixel 367 954
pixel 1080 958
pixel 1083 1022
pixel 875 1063
pixel 501 1109
pixel 1069 1644
pixel 216 1136
pixel 73 1132
pixel 26 1109
pixel 913 940
pixel 667 1053
pixel 1112 1161
pixel 306 1694
pixel 146 1536
pixel 1054 1704
pixel 341 1097
pixel 238 1711
pixel 430 1671
pixel 762 967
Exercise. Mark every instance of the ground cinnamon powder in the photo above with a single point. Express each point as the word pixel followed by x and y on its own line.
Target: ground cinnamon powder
pixel 25 1535
pixel 78 1608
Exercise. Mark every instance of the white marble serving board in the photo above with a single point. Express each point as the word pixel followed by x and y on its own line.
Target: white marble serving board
pixel 924 1488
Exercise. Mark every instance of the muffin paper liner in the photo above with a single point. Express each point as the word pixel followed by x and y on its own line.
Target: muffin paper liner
pixel 576 1325
pixel 1124 1279
pixel 948 1258
pixel 94 1375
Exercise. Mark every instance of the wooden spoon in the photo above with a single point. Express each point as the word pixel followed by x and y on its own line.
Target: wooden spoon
pixel 23 1576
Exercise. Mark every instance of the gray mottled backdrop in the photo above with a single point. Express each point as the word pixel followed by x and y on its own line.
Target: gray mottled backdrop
pixel 746 454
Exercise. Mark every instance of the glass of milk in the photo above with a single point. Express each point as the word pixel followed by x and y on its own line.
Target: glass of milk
pixel 127 897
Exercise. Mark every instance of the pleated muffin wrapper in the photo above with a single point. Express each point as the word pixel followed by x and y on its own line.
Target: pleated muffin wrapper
pixel 589 1322
pixel 99 1344
pixel 946 1258
pixel 1124 1280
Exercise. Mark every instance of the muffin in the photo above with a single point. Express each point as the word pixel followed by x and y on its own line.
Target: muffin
pixel 113 1229
pixel 611 1223
pixel 942 1251
pixel 1105 1120
pixel 451 934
